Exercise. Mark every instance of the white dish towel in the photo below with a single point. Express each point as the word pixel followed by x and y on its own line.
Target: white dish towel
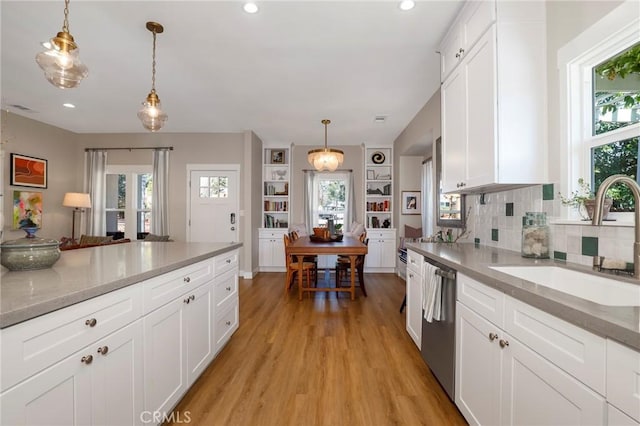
pixel 431 293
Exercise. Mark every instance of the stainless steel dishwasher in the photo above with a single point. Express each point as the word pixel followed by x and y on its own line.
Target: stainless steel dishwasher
pixel 439 337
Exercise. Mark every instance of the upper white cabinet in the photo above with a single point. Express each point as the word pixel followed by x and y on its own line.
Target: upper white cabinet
pixel 494 97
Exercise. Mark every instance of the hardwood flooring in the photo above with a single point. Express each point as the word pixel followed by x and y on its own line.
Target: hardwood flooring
pixel 324 361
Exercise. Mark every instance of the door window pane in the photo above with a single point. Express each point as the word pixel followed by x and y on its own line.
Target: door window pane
pixel 214 187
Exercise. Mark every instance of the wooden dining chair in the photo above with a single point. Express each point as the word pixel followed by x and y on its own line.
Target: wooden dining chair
pixel 343 268
pixel 293 235
pixel 292 268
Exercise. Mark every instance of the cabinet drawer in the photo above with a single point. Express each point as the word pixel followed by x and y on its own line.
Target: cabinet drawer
pixel 484 300
pixel 380 234
pixel 165 288
pixel 573 349
pixel 414 261
pixel 271 233
pixel 33 345
pixel 225 288
pixel 226 262
pixel 623 378
pixel 226 324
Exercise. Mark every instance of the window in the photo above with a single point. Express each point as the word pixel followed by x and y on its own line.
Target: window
pixel 602 81
pixel 128 201
pixel 330 199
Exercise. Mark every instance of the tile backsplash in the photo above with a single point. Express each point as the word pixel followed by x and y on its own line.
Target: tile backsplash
pixel 496 220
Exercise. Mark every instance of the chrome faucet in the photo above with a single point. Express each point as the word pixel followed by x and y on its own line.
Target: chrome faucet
pixel 597 213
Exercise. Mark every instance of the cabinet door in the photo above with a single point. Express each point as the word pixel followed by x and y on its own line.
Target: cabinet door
pixel 374 254
pixel 478 361
pixel 198 318
pixel 59 395
pixel 454 130
pixel 164 357
pixel 264 252
pixel 480 70
pixel 277 252
pixel 537 392
pixel 117 385
pixel 388 252
pixel 414 306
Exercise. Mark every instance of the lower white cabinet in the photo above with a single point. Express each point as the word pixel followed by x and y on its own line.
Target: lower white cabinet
pixel 100 384
pixel 381 253
pixel 501 380
pixel 616 417
pixel 414 296
pixel 179 344
pixel 623 379
pixel 271 250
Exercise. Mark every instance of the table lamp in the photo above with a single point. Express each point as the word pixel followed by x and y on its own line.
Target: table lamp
pixel 78 201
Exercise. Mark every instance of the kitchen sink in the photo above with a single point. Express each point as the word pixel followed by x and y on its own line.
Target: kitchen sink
pixel 601 290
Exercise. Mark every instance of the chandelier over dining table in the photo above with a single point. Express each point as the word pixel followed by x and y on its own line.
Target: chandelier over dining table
pixel 325 159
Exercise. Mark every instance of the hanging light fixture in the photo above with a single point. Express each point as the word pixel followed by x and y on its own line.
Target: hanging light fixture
pixel 151 114
pixel 60 62
pixel 325 159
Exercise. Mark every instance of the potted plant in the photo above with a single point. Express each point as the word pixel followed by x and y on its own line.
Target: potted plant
pixel 584 200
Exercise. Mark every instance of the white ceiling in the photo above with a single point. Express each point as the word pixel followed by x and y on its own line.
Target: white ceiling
pixel 219 69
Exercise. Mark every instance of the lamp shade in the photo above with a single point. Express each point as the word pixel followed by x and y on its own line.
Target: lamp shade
pixel 76 199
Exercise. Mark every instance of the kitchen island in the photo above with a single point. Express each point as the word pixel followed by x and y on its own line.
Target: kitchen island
pixel 114 334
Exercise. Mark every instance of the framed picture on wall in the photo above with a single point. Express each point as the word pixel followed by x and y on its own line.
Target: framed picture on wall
pixel 277 156
pixel 411 203
pixel 28 171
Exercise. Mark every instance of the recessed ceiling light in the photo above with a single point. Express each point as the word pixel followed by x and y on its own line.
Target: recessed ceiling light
pixel 68 105
pixel 380 119
pixel 407 4
pixel 250 7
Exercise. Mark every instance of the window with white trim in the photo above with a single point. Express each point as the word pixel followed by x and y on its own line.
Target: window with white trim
pixel 330 198
pixel 600 71
pixel 128 201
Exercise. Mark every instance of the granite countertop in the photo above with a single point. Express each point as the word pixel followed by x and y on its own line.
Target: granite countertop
pixel 621 323
pixel 89 272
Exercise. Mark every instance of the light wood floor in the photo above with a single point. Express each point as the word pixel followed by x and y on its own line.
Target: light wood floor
pixel 322 361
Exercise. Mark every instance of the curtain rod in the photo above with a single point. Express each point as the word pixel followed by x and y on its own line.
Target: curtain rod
pixel 170 148
pixel 336 170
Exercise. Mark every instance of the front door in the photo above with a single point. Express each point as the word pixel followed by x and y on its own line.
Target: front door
pixel 213 206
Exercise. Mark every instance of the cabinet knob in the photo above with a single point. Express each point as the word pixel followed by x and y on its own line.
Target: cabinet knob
pixel 192 297
pixel 228 322
pixel 493 336
pixel 229 288
pixel 103 350
pixel 91 322
pixel 504 343
pixel 187 300
pixel 228 260
pixel 410 275
pixel 458 55
pixel 87 359
pixel 461 51
pixel 187 279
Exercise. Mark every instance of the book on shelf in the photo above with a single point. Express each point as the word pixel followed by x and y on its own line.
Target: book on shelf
pixel 272 222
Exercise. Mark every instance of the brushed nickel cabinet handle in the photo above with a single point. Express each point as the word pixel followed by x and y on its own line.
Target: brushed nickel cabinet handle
pixel 103 350
pixel 186 279
pixel 87 359
pixel 504 343
pixel 493 336
pixel 91 322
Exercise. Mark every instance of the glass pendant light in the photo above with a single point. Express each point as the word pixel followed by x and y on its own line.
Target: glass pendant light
pixel 151 113
pixel 60 62
pixel 325 159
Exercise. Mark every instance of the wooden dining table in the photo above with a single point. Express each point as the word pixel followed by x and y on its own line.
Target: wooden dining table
pixel 349 246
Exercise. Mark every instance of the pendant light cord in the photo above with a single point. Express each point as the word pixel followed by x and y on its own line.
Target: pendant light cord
pixel 153 64
pixel 65 23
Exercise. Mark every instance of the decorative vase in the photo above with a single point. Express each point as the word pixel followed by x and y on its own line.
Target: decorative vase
pixel 29 252
pixel 587 208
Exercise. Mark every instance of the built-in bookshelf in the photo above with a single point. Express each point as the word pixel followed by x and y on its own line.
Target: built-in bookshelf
pixel 379 188
pixel 275 187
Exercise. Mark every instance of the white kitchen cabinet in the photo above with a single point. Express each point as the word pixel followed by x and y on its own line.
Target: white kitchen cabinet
pixel 381 254
pixel 179 344
pixel 226 303
pixel 501 379
pixel 271 256
pixel 100 384
pixel 493 129
pixel 414 296
pixel 616 417
pixel 623 378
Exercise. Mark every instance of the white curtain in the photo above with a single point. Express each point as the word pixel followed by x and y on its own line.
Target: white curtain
pixel 160 192
pixel 96 181
pixel 428 193
pixel 308 190
pixel 350 215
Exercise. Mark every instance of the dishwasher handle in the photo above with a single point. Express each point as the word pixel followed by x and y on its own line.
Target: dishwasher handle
pixel 450 275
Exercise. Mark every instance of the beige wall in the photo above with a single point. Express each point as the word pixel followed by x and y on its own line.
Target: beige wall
pixel 253 214
pixel 64 162
pixel 353 159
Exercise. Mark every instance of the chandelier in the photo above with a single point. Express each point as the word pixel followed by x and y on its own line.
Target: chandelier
pixel 60 62
pixel 325 159
pixel 151 113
